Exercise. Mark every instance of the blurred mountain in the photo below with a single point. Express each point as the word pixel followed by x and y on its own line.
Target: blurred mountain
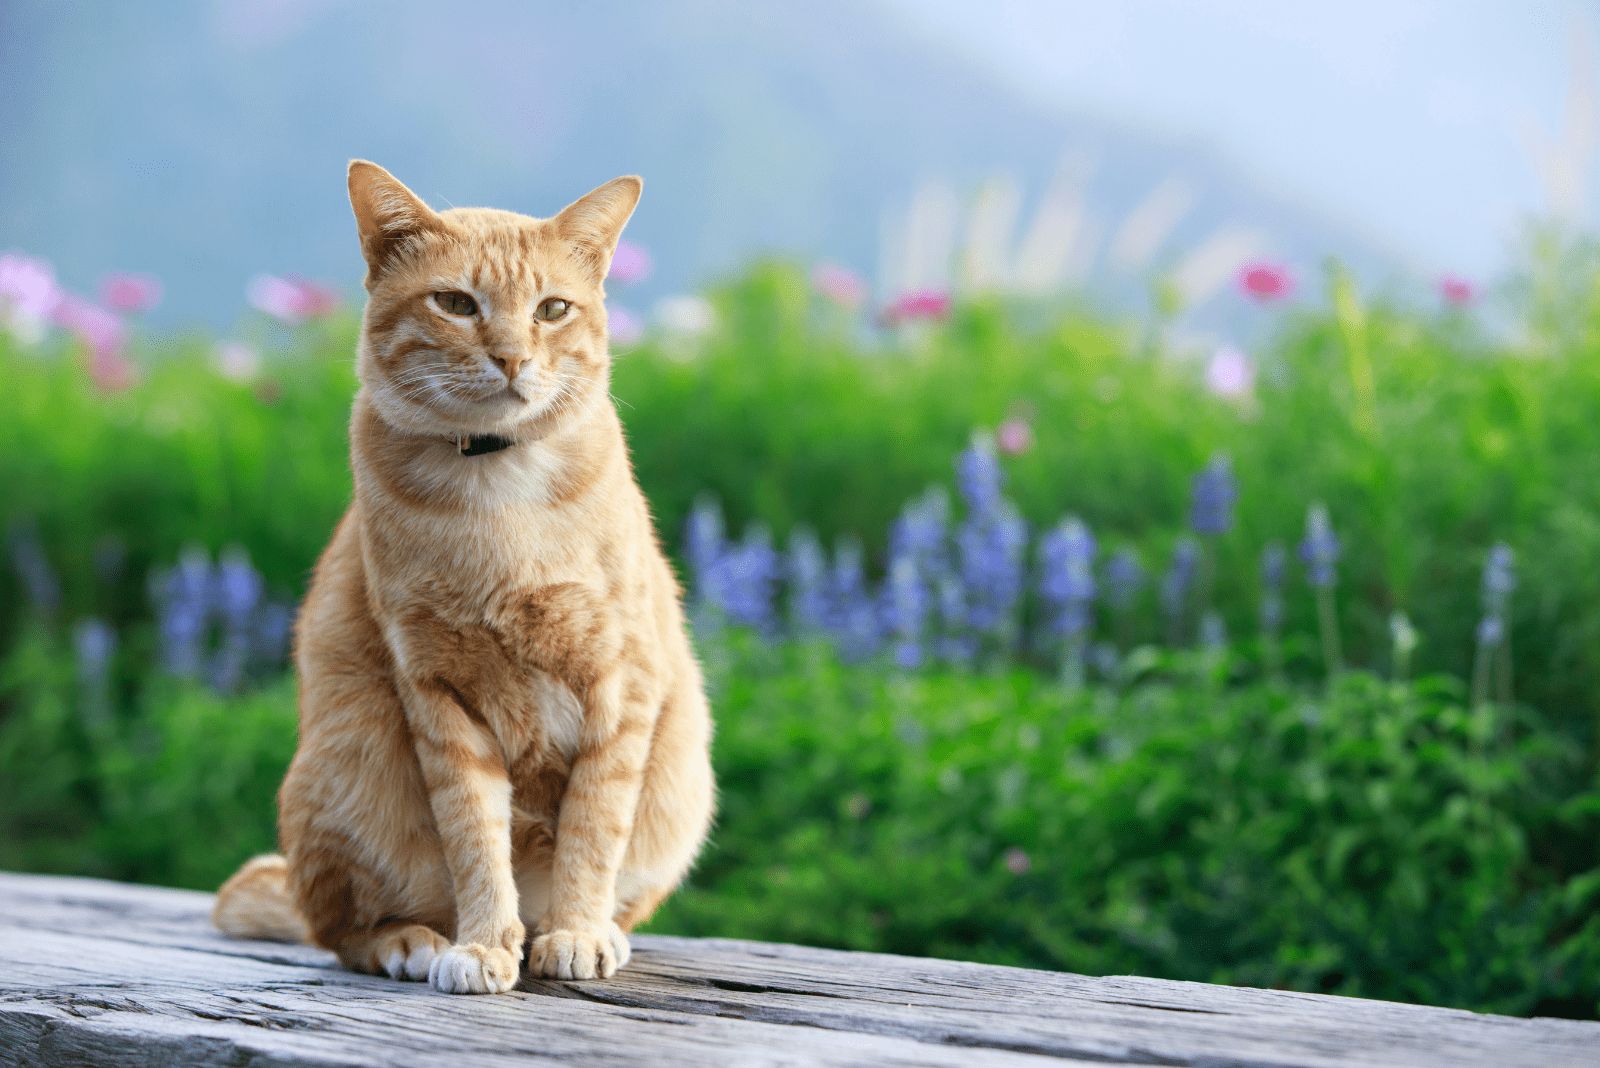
pixel 206 142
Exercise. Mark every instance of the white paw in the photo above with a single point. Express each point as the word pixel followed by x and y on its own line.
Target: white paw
pixel 473 969
pixel 579 954
pixel 410 951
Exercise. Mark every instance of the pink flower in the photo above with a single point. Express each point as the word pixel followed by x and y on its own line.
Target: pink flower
pixel 130 292
pixel 1456 290
pixel 1017 861
pixel 1230 373
pixel 28 285
pixel 1014 435
pixel 104 334
pixel 630 264
pixel 291 298
pixel 921 304
pixel 839 284
pixel 624 327
pixel 1265 281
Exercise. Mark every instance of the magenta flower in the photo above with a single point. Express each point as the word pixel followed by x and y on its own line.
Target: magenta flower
pixel 103 334
pixel 291 298
pixel 1014 435
pixel 624 327
pixel 1017 861
pixel 630 264
pixel 130 292
pixel 1230 373
pixel 1265 281
pixel 1456 290
pixel 921 304
pixel 839 284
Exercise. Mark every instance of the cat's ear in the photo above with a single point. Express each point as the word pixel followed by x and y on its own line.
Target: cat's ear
pixel 594 223
pixel 388 215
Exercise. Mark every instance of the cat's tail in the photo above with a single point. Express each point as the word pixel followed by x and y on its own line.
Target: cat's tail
pixel 256 903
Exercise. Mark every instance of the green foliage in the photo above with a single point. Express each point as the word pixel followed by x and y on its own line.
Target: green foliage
pixel 791 413
pixel 176 787
pixel 1380 841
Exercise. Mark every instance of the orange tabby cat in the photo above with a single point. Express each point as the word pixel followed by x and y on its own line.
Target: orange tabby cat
pixel 503 730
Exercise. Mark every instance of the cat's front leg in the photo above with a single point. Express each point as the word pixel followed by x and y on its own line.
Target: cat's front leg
pixel 470 794
pixel 579 938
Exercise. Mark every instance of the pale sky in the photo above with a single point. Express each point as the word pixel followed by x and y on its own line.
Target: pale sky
pixel 1405 120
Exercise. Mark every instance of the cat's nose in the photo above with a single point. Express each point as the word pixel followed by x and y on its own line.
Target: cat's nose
pixel 510 363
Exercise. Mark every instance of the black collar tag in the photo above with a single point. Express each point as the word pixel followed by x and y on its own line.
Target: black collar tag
pixel 478 444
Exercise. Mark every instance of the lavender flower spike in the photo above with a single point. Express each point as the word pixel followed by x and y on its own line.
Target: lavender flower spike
pixel 1214 494
pixel 1178 580
pixel 1499 580
pixel 1066 557
pixel 1124 577
pixel 808 583
pixel 1320 549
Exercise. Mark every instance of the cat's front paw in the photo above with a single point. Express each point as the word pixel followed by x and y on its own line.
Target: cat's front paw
pixel 593 954
pixel 474 969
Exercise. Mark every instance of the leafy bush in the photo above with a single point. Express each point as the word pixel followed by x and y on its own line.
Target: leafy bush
pixel 1380 841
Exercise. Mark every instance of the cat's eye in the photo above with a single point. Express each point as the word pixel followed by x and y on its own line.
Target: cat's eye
pixel 552 309
pixel 456 303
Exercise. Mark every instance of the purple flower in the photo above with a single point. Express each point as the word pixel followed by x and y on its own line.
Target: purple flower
pixel 1491 631
pixel 979 476
pixel 1124 577
pixel 1273 561
pixel 906 603
pixel 1319 550
pixel 33 568
pixel 852 618
pixel 989 543
pixel 1214 494
pixel 94 644
pixel 624 327
pixel 183 599
pixel 1066 558
pixel 744 580
pixel 703 541
pixel 630 264
pixel 807 572
pixel 28 295
pixel 1499 579
pixel 1179 579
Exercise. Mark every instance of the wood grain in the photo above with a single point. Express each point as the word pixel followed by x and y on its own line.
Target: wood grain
pixel 104 974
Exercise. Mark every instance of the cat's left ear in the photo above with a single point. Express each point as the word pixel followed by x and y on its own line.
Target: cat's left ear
pixel 594 223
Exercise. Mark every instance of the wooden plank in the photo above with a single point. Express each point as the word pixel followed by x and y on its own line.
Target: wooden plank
pixel 104 974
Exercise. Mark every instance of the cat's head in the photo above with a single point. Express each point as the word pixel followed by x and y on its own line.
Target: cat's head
pixel 481 321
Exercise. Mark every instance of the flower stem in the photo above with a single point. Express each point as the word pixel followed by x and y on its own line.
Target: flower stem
pixel 1332 657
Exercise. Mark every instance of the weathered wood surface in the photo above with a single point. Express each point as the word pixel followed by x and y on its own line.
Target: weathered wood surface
pixel 103 974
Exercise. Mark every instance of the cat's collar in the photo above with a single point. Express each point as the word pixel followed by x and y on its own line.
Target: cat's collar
pixel 478 444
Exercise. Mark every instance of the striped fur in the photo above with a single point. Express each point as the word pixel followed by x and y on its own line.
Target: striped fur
pixel 503 730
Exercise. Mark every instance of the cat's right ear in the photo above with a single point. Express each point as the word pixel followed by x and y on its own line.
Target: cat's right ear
pixel 388 215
